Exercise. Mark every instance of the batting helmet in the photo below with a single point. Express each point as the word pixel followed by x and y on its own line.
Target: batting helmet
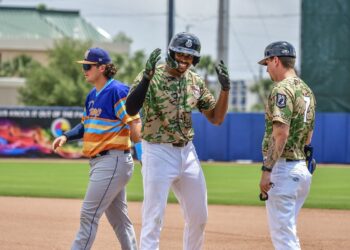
pixel 280 49
pixel 186 43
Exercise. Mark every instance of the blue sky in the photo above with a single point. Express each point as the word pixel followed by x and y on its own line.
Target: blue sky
pixel 253 25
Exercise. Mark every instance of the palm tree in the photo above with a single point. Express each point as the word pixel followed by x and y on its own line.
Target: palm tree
pixel 129 66
pixel 19 66
pixel 262 88
pixel 207 66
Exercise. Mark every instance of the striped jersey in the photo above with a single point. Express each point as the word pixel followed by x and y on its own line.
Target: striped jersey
pixel 105 119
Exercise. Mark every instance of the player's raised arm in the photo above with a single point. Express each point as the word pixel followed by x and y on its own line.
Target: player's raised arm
pixel 217 115
pixel 137 96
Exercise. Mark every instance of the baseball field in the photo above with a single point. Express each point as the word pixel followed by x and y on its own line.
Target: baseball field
pixel 40 203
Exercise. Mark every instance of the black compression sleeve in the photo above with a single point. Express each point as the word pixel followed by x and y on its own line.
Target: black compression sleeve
pixel 136 98
pixel 75 133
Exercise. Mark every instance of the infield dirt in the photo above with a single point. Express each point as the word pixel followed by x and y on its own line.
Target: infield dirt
pixel 38 224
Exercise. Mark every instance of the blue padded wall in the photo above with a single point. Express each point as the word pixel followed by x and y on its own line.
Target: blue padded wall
pixel 240 137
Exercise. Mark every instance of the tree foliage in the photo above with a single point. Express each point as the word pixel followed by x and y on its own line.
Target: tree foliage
pixel 207 67
pixel 19 66
pixel 121 37
pixel 129 66
pixel 262 88
pixel 62 82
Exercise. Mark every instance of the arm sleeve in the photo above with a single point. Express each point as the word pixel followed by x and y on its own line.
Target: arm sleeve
pixel 75 133
pixel 136 97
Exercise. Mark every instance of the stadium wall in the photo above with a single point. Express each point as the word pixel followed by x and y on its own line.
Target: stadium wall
pixel 29 131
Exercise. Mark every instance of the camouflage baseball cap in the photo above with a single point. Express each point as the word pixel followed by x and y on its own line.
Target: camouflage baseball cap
pixel 96 56
pixel 280 49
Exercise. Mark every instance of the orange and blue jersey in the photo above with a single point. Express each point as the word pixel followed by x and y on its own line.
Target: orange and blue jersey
pixel 105 119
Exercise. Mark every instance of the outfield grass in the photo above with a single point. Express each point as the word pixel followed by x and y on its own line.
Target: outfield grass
pixel 227 183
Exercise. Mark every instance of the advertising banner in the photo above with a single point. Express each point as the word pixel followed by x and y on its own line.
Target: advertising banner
pixel 29 131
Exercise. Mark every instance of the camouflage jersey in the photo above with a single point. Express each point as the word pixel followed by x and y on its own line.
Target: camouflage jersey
pixel 291 102
pixel 166 111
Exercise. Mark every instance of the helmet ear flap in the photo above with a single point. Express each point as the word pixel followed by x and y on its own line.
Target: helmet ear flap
pixel 195 60
pixel 171 60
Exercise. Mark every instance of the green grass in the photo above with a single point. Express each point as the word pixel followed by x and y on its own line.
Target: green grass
pixel 330 188
pixel 36 179
pixel 238 185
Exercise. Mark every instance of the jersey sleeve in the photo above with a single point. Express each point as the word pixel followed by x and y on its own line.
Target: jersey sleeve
pixel 280 104
pixel 206 100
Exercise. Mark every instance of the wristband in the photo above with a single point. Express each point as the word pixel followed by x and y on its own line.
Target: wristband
pixel 266 169
pixel 138 149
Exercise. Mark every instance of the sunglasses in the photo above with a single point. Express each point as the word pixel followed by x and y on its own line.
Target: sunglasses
pixel 87 67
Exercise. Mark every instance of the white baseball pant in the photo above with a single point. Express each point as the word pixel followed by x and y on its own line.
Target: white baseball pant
pixel 163 167
pixel 291 187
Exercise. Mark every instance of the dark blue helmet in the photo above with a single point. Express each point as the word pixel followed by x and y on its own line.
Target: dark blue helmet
pixel 186 43
pixel 280 49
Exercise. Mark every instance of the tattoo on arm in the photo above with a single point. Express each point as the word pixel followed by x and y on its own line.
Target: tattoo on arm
pixel 275 149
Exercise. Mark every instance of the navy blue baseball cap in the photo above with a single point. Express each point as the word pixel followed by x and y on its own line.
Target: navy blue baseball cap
pixel 96 56
pixel 279 49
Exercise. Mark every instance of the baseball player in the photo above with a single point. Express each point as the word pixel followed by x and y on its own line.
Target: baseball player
pixel 289 123
pixel 106 129
pixel 167 94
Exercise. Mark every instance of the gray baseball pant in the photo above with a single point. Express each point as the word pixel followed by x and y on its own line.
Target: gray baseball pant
pixel 109 175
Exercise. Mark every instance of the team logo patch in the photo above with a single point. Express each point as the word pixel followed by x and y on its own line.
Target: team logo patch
pixel 188 44
pixel 285 51
pixel 281 100
pixel 196 91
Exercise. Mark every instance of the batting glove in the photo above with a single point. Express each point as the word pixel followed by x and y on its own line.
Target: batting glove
pixel 151 64
pixel 223 76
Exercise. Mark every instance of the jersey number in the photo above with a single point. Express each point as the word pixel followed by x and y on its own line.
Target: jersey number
pixel 307 105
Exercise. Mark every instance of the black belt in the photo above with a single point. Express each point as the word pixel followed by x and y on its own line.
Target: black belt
pixel 105 152
pixel 293 160
pixel 180 144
